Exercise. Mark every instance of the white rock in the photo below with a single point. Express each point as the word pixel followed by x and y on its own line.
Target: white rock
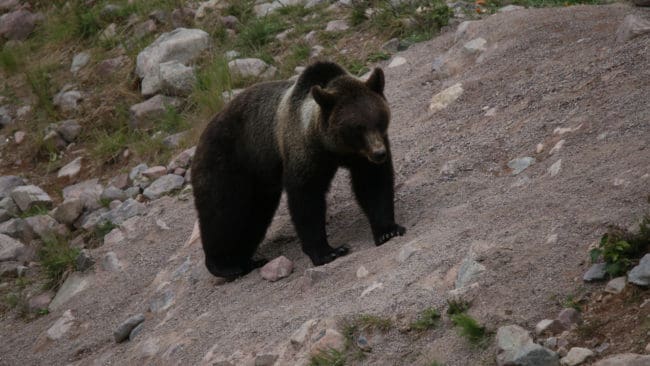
pixel 337 26
pixel 70 170
pixel 518 165
pixel 576 356
pixel 443 99
pixel 616 285
pixel 397 61
pixel 362 272
pixel 562 130
pixel 633 26
pixel 61 326
pixel 79 60
pixel 640 274
pixel 475 45
pixel 251 67
pixel 539 148
pixel 509 8
pixel 557 147
pixel 176 79
pixel 163 185
pixel 552 239
pixel 554 169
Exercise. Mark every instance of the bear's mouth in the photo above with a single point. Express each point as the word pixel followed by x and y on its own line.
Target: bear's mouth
pixel 377 156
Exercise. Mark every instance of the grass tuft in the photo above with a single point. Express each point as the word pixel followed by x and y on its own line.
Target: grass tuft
pixel 470 328
pixel 619 248
pixel 426 320
pixel 457 306
pixel 330 357
pixel 58 259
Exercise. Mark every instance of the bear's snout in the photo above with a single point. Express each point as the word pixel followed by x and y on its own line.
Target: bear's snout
pixel 376 151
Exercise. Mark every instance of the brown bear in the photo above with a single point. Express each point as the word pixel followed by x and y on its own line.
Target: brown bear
pixel 292 136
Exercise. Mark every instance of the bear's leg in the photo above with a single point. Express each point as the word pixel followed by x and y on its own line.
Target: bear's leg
pixel 231 236
pixel 373 188
pixel 308 208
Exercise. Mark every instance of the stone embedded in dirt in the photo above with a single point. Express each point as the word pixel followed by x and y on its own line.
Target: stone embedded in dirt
pixel 126 210
pixel 109 33
pixel 18 25
pixel 337 26
pixel 70 170
pixel 554 169
pixel 328 339
pixel 251 68
pixel 137 170
pixel 549 326
pixel 137 330
pixel 79 60
pixel 391 46
pixel 17 228
pixel 595 273
pixel 616 285
pixel 24 111
pixel 557 147
pixel 518 165
pixel 90 220
pixel 111 263
pixel 112 193
pixel 39 302
pixel 633 26
pixel 576 356
pixel 374 286
pixel 516 347
pixel 10 248
pixel 362 272
pixel 124 329
pixel 640 274
pixel 61 326
pixel 74 284
pixel 509 8
pixel 132 192
pixel 155 172
pixel 475 45
pixel 111 65
pixel 68 211
pixel 84 261
pixel 88 192
pixel 45 227
pixel 115 236
pixel 276 269
pixel 19 137
pixel 397 61
pixel 406 252
pixel 265 359
pixel 176 79
pixel 569 317
pixel 68 129
pixel 8 183
pixel 28 197
pixel 182 160
pixel 468 272
pixel 182 45
pixel 68 101
pixel 363 344
pixel 5 117
pixel 162 301
pixel 626 359
pixel 299 337
pixel 163 185
pixel 315 52
pixel 120 181
pixel 443 99
pixel 145 114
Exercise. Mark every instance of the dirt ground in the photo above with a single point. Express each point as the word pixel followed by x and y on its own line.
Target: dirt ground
pixel 542 69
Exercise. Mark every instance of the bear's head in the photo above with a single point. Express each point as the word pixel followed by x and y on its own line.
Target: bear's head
pixel 354 116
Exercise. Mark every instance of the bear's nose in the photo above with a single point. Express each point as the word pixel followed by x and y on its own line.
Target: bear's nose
pixel 379 155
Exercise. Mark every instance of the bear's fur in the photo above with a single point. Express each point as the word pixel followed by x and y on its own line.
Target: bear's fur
pixel 292 136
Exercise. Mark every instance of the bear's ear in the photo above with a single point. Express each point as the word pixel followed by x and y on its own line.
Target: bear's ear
pixel 376 81
pixel 324 99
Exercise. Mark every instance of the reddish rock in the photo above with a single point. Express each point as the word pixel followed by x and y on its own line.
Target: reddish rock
pixel 276 269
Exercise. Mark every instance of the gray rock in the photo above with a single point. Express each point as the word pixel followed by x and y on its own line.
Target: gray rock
pixel 144 29
pixel 446 97
pixel 79 60
pixel 145 114
pixel 576 356
pixel 162 301
pixel 182 160
pixel 616 285
pixel 337 26
pixel 549 326
pixel 475 45
pixel 68 129
pixel 68 211
pixel 8 183
pixel 18 25
pixel 391 46
pixel 469 271
pixel 84 261
pixel 137 171
pixel 520 164
pixel 595 273
pixel 312 3
pixel 132 192
pixel 640 274
pixel 88 192
pixel 111 193
pixel 91 220
pixel 509 8
pixel 110 66
pixel 45 227
pixel 251 68
pixel 231 55
pixel 54 141
pixel 136 331
pixel 264 9
pixel 110 12
pixel 633 26
pixel 163 185
pixel 120 181
pixel 5 215
pixel 181 45
pixel 5 117
pixel 569 317
pixel 125 211
pixel 68 101
pixel 124 330
pixel 516 347
pixel 265 360
pixel 17 228
pixel 111 263
pixel 10 248
pixel 174 140
pixel 27 197
pixel 70 170
pixel 9 269
pixel 626 359
pixel 39 302
pixel 176 78
pixel 74 284
pixel 155 172
pixel 276 269
pixel 61 326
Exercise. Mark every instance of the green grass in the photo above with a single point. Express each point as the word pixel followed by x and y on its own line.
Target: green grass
pixel 10 60
pixel 259 32
pixel 40 82
pixel 34 211
pixel 330 357
pixel 620 248
pixel 212 79
pixel 58 259
pixel 457 306
pixel 470 328
pixel 367 321
pixel 109 145
pixel 104 228
pixel 426 320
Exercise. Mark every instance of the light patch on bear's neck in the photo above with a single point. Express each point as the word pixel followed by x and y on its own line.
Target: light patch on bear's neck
pixel 308 111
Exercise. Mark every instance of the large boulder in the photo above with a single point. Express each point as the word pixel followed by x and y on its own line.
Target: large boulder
pixel 181 45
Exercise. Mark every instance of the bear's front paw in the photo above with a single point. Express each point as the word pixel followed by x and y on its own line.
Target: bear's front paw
pixel 332 255
pixel 389 233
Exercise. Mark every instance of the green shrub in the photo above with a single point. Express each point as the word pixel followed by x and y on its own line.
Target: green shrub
pixel 58 259
pixel 619 248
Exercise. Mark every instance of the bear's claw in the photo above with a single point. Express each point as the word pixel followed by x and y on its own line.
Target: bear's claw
pixel 395 230
pixel 329 257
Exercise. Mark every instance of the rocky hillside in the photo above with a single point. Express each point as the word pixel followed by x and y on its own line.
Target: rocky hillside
pixel 520 136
